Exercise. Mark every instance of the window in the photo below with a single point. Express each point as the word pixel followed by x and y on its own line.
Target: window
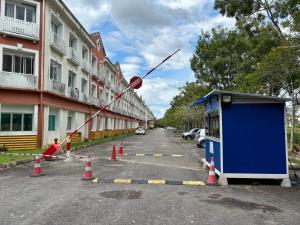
pixel 69 123
pixel 55 70
pixel 94 94
pixel 72 41
pixel 5 121
pixel 51 123
pixel 83 85
pixel 7 63
pixel 84 53
pixel 71 79
pixel 212 121
pixel 54 27
pixel 18 63
pixel 27 122
pixel 9 10
pixel 16 122
pixel 20 11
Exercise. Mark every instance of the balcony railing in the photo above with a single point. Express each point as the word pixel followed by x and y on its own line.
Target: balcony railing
pixel 94 101
pixel 101 103
pixel 108 83
pixel 57 86
pixel 19 80
pixel 101 76
pixel 86 66
pixel 57 43
pixel 73 92
pixel 20 27
pixel 73 56
pixel 84 97
pixel 94 71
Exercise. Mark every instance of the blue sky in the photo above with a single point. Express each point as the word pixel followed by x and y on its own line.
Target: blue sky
pixel 140 33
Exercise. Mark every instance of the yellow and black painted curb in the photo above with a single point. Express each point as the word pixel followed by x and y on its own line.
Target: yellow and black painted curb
pixel 152 154
pixel 155 182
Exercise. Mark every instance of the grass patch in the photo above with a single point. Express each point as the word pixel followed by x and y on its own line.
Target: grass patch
pixel 297 162
pixel 297 136
pixel 6 158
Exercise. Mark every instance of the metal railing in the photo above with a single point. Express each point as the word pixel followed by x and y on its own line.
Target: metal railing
pixel 57 42
pixel 20 80
pixel 94 101
pixel 19 27
pixel 84 97
pixel 73 56
pixel 86 66
pixel 57 86
pixel 73 92
pixel 101 76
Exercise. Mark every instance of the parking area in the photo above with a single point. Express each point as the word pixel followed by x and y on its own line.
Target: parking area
pixel 61 197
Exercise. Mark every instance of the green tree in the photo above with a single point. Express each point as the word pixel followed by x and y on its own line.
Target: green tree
pixel 281 13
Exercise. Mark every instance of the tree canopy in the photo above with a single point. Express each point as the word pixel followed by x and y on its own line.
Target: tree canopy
pixel 261 54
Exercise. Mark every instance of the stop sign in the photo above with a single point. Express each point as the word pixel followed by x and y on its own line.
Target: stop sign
pixel 136 82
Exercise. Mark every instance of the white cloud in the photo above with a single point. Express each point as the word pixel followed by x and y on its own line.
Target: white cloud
pixel 184 4
pixel 140 33
pixel 159 92
pixel 90 13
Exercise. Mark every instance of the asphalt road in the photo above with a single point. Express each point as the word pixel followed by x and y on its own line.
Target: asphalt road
pixel 61 197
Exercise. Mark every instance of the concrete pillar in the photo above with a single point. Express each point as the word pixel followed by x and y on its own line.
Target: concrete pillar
pixel 286 182
pixel 35 117
pixel 45 128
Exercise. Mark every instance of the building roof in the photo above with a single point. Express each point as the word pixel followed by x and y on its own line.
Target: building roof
pixel 240 96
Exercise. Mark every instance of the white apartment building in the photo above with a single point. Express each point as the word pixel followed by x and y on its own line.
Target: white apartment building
pixel 54 75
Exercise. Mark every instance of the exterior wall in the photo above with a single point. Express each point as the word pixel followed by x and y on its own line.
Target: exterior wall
pixel 262 128
pixel 47 97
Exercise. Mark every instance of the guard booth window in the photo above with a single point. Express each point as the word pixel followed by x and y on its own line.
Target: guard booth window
pixel 212 121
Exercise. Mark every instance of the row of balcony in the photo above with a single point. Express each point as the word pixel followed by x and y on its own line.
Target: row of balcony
pixel 18 27
pixel 8 79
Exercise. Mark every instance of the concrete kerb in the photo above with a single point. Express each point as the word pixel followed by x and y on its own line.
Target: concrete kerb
pixel 13 164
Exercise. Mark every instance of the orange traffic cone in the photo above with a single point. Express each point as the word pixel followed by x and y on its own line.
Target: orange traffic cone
pixel 37 170
pixel 212 179
pixel 87 174
pixel 120 149
pixel 113 153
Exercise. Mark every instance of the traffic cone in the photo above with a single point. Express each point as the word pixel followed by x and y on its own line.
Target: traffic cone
pixel 212 179
pixel 120 149
pixel 68 147
pixel 37 170
pixel 87 174
pixel 113 153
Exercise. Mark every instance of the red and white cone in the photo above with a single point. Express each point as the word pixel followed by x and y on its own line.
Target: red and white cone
pixel 212 179
pixel 120 149
pixel 37 170
pixel 68 147
pixel 87 174
pixel 113 153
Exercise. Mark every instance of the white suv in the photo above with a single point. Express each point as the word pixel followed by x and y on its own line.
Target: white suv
pixel 200 138
pixel 140 130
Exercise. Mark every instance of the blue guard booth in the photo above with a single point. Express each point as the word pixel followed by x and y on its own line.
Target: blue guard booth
pixel 246 134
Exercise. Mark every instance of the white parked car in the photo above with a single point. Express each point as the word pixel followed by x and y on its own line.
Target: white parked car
pixel 140 130
pixel 200 138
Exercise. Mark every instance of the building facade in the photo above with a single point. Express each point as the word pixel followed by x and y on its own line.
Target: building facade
pixel 54 75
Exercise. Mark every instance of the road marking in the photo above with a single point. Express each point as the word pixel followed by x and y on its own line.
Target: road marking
pixel 156 182
pixel 175 155
pixel 153 182
pixel 152 154
pixel 122 181
pixel 195 183
pixel 162 165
